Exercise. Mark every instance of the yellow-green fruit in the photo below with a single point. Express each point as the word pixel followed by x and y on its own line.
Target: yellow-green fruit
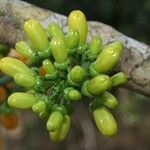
pixel 54 30
pixel 39 106
pixel 54 136
pixel 98 84
pixel 60 134
pixel 95 45
pixel 110 101
pixel 21 100
pixel 118 79
pixel 12 66
pixel 77 20
pixel 77 74
pixel 59 49
pixel 48 66
pixel 65 127
pixel 108 58
pixel 55 121
pixel 23 79
pixel 72 39
pixel 74 94
pixel 36 34
pixel 105 121
pixel 23 48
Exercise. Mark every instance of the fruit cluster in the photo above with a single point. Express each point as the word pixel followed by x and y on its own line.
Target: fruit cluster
pixel 65 68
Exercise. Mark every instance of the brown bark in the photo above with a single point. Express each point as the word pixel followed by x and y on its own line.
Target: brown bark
pixel 135 61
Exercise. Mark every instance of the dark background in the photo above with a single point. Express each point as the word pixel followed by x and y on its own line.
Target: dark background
pixel 131 17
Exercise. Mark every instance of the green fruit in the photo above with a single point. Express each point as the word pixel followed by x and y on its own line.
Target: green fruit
pixel 23 79
pixel 55 121
pixel 118 79
pixel 72 39
pixel 39 106
pixel 48 66
pixel 23 48
pixel 108 58
pixel 60 134
pixel 77 21
pixel 95 46
pixel 54 136
pixel 21 100
pixel 72 94
pixel 59 49
pixel 77 74
pixel 65 127
pixel 36 34
pixel 105 121
pixel 54 30
pixel 109 100
pixel 98 84
pixel 12 66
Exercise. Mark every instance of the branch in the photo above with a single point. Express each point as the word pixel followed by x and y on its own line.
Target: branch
pixel 135 61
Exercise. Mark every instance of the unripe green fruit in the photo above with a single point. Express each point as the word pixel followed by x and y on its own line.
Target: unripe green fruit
pixel 23 79
pixel 59 49
pixel 109 100
pixel 118 79
pixel 23 48
pixel 105 121
pixel 12 66
pixel 55 121
pixel 77 74
pixel 36 34
pixel 39 106
pixel 108 58
pixel 48 66
pixel 73 94
pixel 65 127
pixel 95 45
pixel 60 134
pixel 21 100
pixel 72 39
pixel 98 84
pixel 77 20
pixel 54 30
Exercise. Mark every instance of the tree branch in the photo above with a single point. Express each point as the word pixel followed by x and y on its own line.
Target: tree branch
pixel 135 61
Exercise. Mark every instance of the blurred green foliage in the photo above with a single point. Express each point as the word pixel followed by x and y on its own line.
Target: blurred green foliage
pixel 130 17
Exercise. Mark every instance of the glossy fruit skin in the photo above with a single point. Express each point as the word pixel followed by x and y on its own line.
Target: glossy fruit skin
pixel 23 48
pixel 108 58
pixel 105 121
pixel 54 30
pixel 77 74
pixel 63 68
pixel 36 34
pixel 109 100
pixel 72 94
pixel 60 134
pixel 95 47
pixel 9 121
pixel 12 66
pixel 72 39
pixel 55 121
pixel 118 79
pixel 23 79
pixel 48 66
pixel 99 84
pixel 77 20
pixel 21 100
pixel 39 106
pixel 59 49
